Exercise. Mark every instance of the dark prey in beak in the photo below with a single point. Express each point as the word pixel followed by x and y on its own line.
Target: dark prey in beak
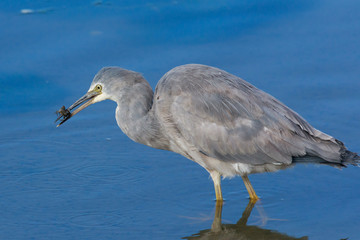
pixel 65 114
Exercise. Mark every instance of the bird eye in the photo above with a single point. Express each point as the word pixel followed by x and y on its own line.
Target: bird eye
pixel 98 88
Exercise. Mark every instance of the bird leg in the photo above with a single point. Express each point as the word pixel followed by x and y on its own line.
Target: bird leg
pixel 250 189
pixel 217 184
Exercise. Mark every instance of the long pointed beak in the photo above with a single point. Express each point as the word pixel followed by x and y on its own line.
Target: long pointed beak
pixel 66 114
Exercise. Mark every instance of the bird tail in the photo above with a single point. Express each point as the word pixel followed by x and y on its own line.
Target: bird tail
pixel 347 157
pixel 329 152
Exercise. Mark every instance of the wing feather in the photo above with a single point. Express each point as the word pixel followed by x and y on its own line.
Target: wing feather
pixel 227 118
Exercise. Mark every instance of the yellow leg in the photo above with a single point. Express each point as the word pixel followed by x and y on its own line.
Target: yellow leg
pixel 217 185
pixel 250 189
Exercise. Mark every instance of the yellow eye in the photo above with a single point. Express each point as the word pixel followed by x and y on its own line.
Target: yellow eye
pixel 98 88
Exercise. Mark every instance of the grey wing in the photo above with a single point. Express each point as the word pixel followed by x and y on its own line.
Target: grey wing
pixel 231 120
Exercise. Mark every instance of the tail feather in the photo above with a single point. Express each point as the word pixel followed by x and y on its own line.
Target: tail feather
pixel 348 157
pixel 316 160
pixel 333 153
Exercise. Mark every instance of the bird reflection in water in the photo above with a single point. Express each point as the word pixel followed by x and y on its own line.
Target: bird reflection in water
pixel 240 230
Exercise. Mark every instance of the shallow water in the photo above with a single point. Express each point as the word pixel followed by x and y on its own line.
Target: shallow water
pixel 87 180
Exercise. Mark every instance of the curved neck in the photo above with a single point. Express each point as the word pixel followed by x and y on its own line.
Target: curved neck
pixel 136 118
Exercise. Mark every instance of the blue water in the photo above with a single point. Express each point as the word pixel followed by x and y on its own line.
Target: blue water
pixel 87 180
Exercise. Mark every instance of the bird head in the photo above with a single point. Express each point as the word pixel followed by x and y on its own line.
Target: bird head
pixel 106 82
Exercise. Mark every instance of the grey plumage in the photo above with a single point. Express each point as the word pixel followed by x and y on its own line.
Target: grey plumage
pixel 216 119
pixel 226 118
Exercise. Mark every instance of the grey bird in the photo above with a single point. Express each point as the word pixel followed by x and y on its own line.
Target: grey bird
pixel 213 118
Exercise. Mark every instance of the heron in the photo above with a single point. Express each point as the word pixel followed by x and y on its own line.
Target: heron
pixel 214 118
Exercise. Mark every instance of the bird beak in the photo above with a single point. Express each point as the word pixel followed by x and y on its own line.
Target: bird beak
pixel 66 114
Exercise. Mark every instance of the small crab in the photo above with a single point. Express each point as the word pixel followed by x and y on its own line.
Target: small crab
pixel 63 115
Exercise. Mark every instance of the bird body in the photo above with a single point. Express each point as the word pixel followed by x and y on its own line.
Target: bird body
pixel 226 124
pixel 215 119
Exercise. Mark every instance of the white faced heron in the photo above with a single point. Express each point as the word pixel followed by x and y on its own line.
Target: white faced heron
pixel 215 119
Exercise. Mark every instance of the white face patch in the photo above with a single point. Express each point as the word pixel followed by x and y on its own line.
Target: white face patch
pixel 103 96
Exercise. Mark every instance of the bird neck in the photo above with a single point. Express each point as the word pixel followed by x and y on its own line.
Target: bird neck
pixel 136 117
